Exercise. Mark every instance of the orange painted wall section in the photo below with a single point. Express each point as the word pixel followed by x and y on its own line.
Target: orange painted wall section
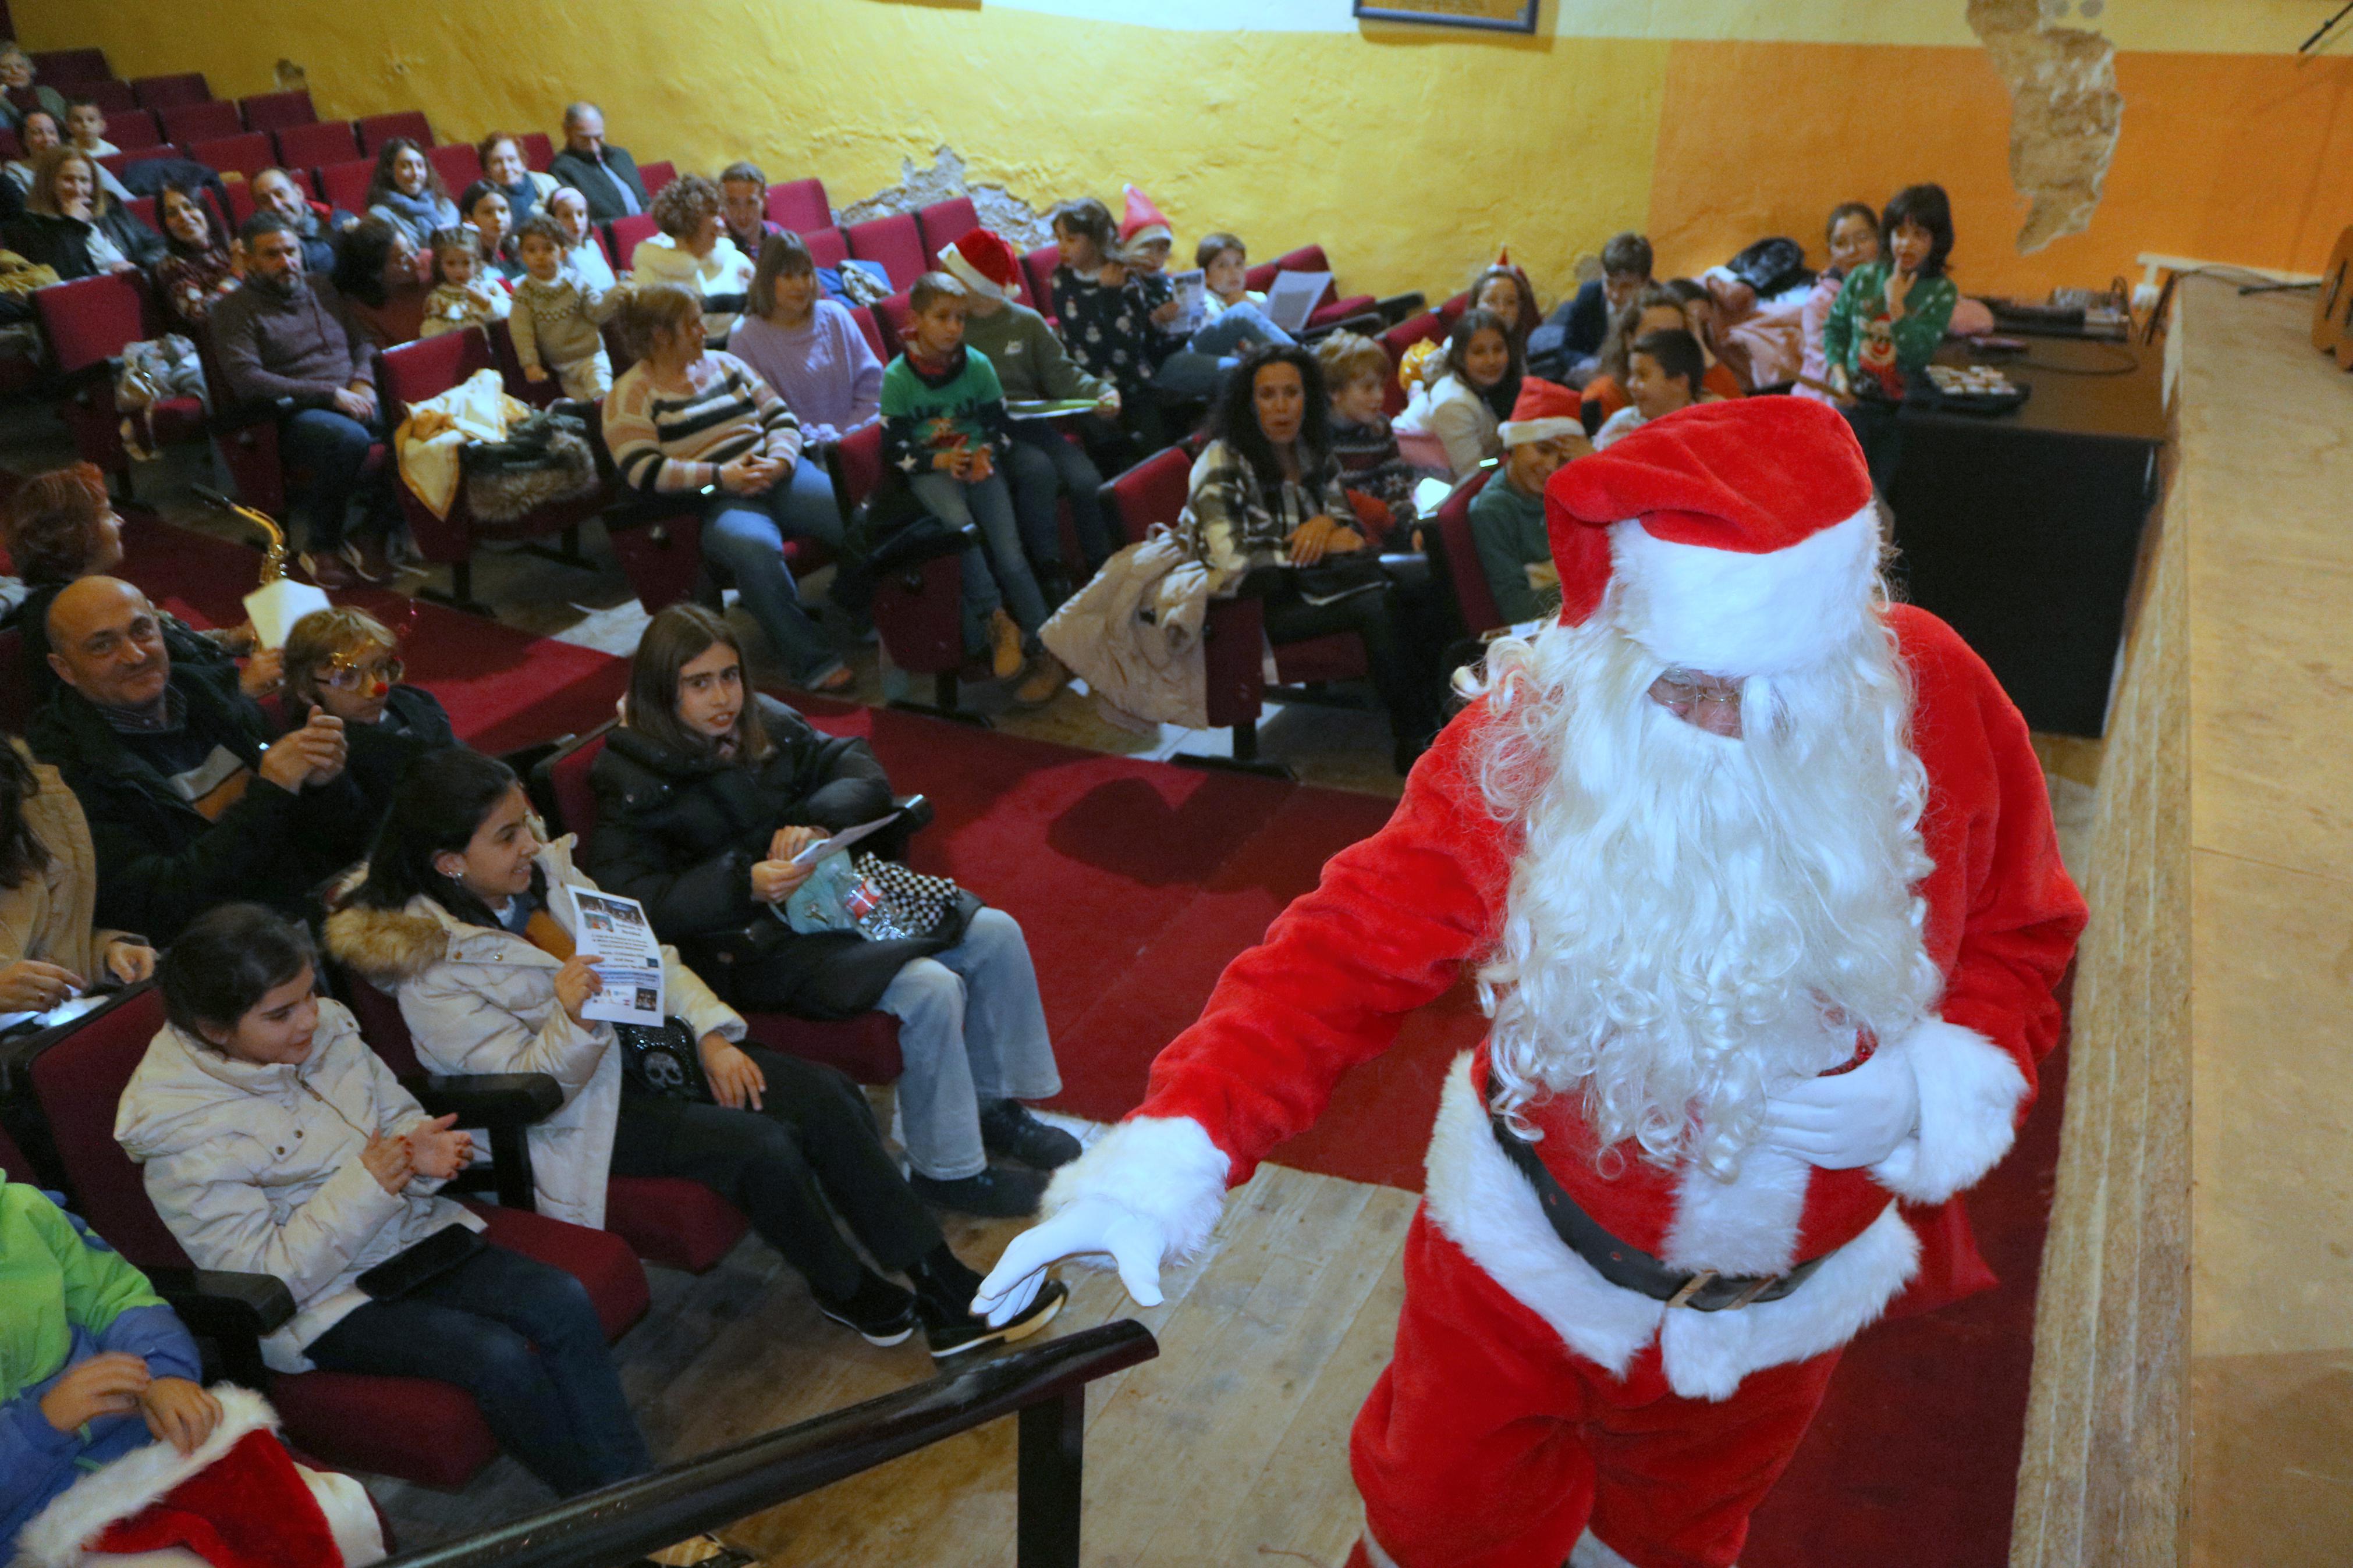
pixel 2245 158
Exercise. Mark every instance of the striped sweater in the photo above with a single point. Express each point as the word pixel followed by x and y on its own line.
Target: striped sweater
pixel 677 440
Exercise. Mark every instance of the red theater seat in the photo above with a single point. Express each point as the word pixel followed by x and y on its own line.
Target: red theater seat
pixel 800 206
pixel 826 246
pixel 457 164
pixel 277 110
pixel 655 176
pixel 89 321
pixel 627 234
pixel 209 119
pixel 62 69
pixel 895 242
pixel 538 151
pixel 244 155
pixel 375 130
pixel 163 91
pixel 318 144
pixel 133 130
pixel 944 223
pixel 345 185
pixel 1038 267
pixel 1473 597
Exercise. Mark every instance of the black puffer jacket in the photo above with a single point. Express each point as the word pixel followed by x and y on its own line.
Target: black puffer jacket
pixel 680 833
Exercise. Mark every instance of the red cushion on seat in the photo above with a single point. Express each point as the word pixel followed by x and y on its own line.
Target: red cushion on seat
pixel 345 185
pixel 1038 268
pixel 1341 309
pixel 1472 594
pixel 655 175
pixel 800 206
pixel 431 1433
pixel 627 234
pixel 457 164
pixel 538 150
pixel 133 131
pixel 64 67
pixel 894 241
pixel 672 1221
pixel 944 223
pixel 247 155
pixel 1340 656
pixel 826 246
pixel 601 1260
pixel 871 329
pixel 89 321
pixel 866 1047
pixel 209 120
pixel 375 130
pixel 575 796
pixel 163 91
pixel 318 144
pixel 78 1081
pixel 277 110
pixel 1155 491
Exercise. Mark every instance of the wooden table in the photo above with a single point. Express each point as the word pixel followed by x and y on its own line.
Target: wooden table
pixel 2022 529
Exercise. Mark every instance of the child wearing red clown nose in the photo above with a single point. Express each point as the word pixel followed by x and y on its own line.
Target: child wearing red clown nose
pixel 346 663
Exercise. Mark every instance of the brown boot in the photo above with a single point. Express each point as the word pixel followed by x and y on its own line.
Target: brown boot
pixel 1047 677
pixel 1004 655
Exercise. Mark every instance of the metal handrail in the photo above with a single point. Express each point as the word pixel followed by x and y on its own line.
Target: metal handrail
pixel 1045 1386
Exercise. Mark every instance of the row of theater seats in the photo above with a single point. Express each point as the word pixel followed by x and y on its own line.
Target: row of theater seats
pixel 59 1088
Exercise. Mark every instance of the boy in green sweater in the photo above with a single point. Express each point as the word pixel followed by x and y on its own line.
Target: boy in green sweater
pixel 1508 517
pixel 944 427
pixel 1031 365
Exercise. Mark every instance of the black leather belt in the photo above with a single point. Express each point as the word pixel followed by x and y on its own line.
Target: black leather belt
pixel 1627 1266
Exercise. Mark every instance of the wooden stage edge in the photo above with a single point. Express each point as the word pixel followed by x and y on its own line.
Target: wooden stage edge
pixel 2192 1398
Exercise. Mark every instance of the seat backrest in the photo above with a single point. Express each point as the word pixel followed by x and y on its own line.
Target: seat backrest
pixel 800 206
pixel 1038 266
pixel 79 1082
pixel 575 797
pixel 318 144
pixel 380 1024
pixel 627 235
pixel 538 150
pixel 864 316
pixel 277 110
pixel 206 121
pixel 375 130
pixel 944 223
pixel 858 458
pixel 1155 491
pixel 10 148
pixel 895 242
pixel 1259 279
pixel 1472 594
pixel 65 68
pixel 13 1163
pixel 133 131
pixel 163 91
pixel 457 164
pixel 144 209
pixel 89 320
pixel 345 185
pixel 1426 327
pixel 655 175
pixel 894 318
pixel 1306 258
pixel 114 97
pixel 826 246
pixel 429 367
pixel 248 154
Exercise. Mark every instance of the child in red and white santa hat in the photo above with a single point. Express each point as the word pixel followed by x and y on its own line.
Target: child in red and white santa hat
pixel 1507 516
pixel 1757 873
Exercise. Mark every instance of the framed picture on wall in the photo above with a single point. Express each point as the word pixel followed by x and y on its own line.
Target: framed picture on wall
pixel 1496 15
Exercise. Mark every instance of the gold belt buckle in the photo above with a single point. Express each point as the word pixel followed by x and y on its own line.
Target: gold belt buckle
pixel 1691 1287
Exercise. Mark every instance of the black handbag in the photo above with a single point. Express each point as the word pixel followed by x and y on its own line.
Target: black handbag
pixel 663 1061
pixel 427 1260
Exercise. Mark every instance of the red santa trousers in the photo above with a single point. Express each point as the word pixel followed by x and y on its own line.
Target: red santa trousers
pixel 1489 1444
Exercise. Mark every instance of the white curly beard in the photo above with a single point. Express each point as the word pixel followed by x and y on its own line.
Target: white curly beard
pixel 1695 921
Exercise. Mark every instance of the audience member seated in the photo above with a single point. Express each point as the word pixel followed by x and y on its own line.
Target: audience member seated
pixel 1031 365
pixel 581 253
pixel 86 128
pixel 344 662
pixel 1355 375
pixel 606 175
pixel 684 420
pixel 943 427
pixel 705 793
pixel 1269 501
pixel 1568 348
pixel 1703 320
pixel 40 134
pixel 1891 314
pixel 73 225
pixel 555 314
pixel 1665 371
pixel 1224 261
pixel 504 166
pixel 1480 381
pixel 1191 367
pixel 465 914
pixel 806 346
pixel 466 293
pixel 692 251
pixel 1105 317
pixel 287 337
pixel 483 209
pixel 384 280
pixel 199 268
pixel 99 1369
pixel 1852 237
pixel 408 193
pixel 355 1185
pixel 1505 289
pixel 50 946
pixel 743 206
pixel 62 527
pixel 1507 515
pixel 17 74
pixel 190 802
pixel 1656 310
pixel 315 224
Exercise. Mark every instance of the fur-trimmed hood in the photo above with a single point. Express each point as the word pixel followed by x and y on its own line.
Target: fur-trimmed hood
pixel 389 946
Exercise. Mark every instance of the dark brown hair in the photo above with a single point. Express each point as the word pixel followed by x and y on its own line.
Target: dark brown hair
pixel 1627 252
pixel 50 519
pixel 674 639
pixel 934 287
pixel 780 254
pixel 1677 354
pixel 1213 245
pixel 1623 330
pixel 648 308
pixel 1089 216
pixel 1478 319
pixel 389 154
pixel 22 853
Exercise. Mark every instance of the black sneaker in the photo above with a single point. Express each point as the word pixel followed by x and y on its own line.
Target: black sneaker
pixel 882 1313
pixel 954 1334
pixel 1009 1129
pixel 992 1193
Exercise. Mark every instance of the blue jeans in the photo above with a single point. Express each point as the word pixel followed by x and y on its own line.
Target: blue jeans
pixel 990 504
pixel 333 447
pixel 971 1031
pixel 746 534
pixel 523 1337
pixel 1042 463
pixel 1195 370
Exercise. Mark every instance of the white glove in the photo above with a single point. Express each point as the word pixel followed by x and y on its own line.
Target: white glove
pixel 1087 1225
pixel 1850 1120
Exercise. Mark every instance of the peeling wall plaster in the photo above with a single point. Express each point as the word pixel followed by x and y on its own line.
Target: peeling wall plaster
pixel 2065 110
pixel 1021 225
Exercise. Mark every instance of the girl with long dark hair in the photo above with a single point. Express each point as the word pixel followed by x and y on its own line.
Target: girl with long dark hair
pixel 1464 407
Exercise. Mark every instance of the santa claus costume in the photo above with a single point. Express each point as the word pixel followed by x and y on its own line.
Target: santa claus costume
pixel 1757 876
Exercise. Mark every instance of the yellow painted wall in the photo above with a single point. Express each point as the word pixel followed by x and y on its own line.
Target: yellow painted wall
pixel 1410 153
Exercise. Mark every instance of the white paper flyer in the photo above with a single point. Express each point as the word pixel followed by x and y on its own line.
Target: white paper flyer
pixel 612 933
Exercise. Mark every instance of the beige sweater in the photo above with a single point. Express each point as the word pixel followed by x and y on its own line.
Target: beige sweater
pixel 48 915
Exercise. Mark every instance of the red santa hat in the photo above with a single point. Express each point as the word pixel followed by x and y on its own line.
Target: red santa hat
pixel 1142 223
pixel 983 262
pixel 1741 535
pixel 1543 410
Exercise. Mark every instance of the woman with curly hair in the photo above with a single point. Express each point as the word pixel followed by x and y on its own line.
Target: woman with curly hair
pixel 693 249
